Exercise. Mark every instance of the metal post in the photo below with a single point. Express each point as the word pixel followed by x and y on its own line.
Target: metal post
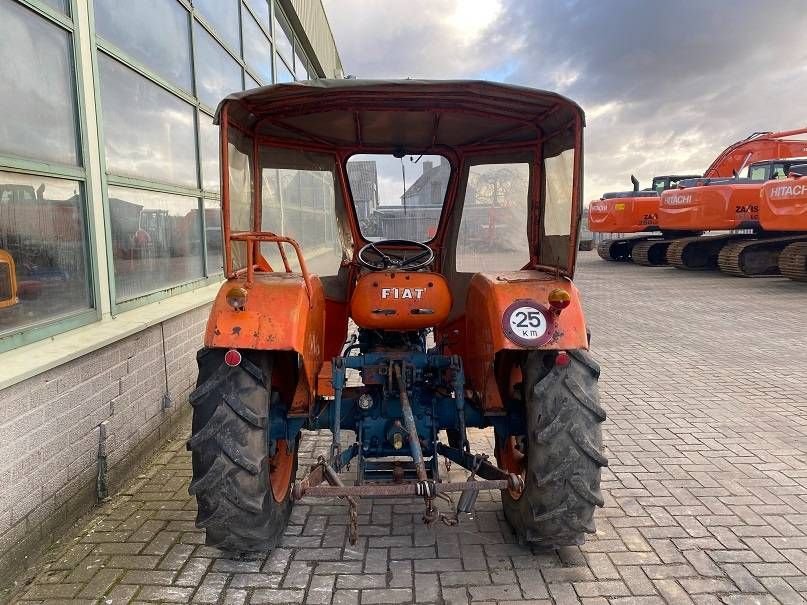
pixel 338 384
pixel 459 398
pixel 409 424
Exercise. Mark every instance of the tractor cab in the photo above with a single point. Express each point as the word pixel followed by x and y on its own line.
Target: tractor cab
pixel 420 235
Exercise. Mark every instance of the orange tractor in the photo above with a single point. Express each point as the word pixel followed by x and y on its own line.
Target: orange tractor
pixel 675 214
pixel 447 338
pixel 783 208
pixel 629 212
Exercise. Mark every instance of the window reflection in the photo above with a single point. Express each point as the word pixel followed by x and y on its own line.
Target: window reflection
pixel 217 73
pixel 300 67
pixel 156 240
pixel 213 237
pixel 261 10
pixel 283 37
pixel 257 49
pixel 36 70
pixel 284 75
pixel 223 16
pixel 252 82
pixel 148 132
pixel 155 32
pixel 209 153
pixel 63 6
pixel 43 245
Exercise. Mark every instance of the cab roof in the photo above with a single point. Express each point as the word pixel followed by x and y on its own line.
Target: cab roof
pixel 410 115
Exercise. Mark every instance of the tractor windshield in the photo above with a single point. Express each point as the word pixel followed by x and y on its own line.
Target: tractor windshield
pixel 398 198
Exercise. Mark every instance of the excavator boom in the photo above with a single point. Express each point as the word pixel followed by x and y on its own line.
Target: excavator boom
pixel 756 147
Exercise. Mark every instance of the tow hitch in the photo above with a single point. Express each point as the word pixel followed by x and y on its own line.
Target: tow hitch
pixel 322 472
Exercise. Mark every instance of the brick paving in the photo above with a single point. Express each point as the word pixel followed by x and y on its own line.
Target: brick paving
pixel 705 382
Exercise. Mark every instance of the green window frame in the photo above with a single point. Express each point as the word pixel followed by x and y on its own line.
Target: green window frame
pixel 29 167
pixel 98 205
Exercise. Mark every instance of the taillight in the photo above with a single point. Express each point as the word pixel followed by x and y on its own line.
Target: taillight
pixel 559 299
pixel 562 359
pixel 237 298
pixel 232 358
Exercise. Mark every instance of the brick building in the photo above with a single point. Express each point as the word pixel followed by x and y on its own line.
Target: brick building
pixel 109 212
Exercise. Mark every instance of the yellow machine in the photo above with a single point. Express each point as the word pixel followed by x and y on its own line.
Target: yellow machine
pixel 8 281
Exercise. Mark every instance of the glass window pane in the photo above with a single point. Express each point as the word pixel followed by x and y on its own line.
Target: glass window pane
pixel 252 82
pixel 239 152
pixel 283 36
pixel 299 200
pixel 257 49
pixel 217 73
pixel 299 66
pixel 398 198
pixel 493 229
pixel 209 151
pixel 63 6
pixel 43 236
pixel 154 32
pixel 559 171
pixel 284 75
pixel 213 236
pixel 260 8
pixel 223 16
pixel 148 132
pixel 36 70
pixel 156 241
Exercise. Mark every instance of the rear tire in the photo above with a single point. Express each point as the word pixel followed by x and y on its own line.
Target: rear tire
pixel 563 454
pixel 243 497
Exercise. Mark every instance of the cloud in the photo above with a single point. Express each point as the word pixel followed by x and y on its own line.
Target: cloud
pixel 436 39
pixel 665 85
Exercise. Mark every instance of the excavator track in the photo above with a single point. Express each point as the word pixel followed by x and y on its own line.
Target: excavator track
pixel 604 249
pixel 697 253
pixel 651 253
pixel 757 257
pixel 793 261
pixel 618 250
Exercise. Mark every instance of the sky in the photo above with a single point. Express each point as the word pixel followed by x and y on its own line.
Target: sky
pixel 665 84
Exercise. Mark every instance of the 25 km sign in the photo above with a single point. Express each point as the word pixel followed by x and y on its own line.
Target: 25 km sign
pixel 527 323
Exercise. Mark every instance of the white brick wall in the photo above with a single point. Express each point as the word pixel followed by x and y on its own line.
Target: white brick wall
pixel 49 429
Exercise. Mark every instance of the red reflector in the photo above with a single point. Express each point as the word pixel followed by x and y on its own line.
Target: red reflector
pixel 562 359
pixel 232 358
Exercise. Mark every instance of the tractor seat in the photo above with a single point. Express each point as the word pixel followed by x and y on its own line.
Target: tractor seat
pixel 400 300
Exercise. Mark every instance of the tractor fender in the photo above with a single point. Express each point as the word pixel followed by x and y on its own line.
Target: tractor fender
pixel 279 314
pixel 491 296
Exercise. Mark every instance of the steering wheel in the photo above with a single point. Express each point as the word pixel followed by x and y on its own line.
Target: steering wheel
pixel 392 261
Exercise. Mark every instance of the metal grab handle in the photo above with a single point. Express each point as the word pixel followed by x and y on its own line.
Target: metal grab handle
pixel 267 236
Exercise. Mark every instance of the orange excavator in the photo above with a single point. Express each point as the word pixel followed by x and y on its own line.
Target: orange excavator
pixel 783 208
pixel 633 211
pixel 729 203
pixel 627 215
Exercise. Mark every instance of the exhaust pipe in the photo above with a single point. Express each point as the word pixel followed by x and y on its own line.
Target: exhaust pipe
pixel 635 182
